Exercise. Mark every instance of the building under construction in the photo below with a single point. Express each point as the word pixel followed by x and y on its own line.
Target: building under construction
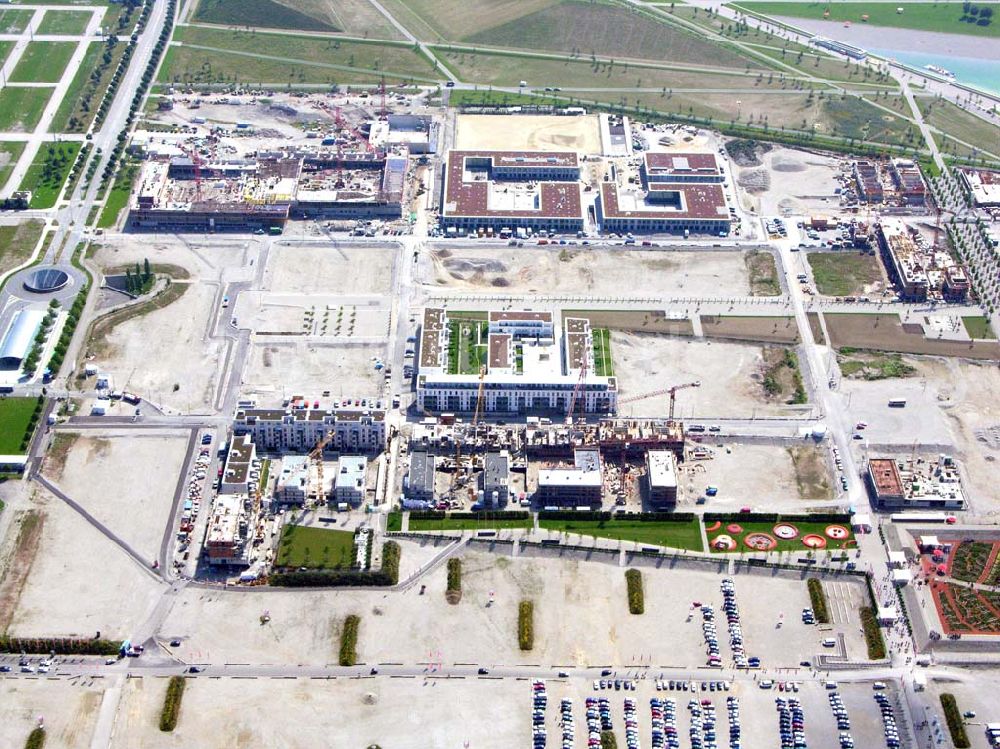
pixel 919 271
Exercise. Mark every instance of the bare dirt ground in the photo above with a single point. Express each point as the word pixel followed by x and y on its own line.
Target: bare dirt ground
pixel 643 363
pixel 762 476
pixel 755 328
pixel 98 474
pixel 542 132
pixel 329 270
pixel 586 270
pixel 790 181
pixel 358 712
pixel 80 581
pixel 580 618
pixel 300 368
pixel 69 709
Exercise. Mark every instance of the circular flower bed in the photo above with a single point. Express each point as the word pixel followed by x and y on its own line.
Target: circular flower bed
pixel 734 528
pixel 723 543
pixel 814 541
pixel 786 531
pixel 713 527
pixel 760 541
pixel 837 532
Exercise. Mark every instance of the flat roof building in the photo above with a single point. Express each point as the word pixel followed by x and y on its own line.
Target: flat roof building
pixel 236 473
pixel 496 480
pixel 355 429
pixel 681 167
pixel 915 484
pixel 661 478
pixel 349 486
pixel 983 186
pixel 228 525
pixel 19 337
pixel 292 485
pixel 578 486
pixel 418 485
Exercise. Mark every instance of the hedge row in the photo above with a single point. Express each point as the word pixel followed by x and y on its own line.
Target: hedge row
pixel 657 517
pixel 349 640
pixel 69 327
pixel 330 579
pixel 873 634
pixel 390 562
pixel 773 517
pixel 36 739
pixel 172 703
pixel 818 597
pixel 526 625
pixel 32 423
pixel 454 575
pixel 440 515
pixel 58 645
pixel 956 726
pixel 636 600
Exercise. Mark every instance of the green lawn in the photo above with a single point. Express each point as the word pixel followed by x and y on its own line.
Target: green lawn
pixel 67 22
pixel 266 13
pixel 494 521
pixel 794 544
pixel 43 62
pixel 83 97
pixel 17 242
pixel 21 108
pixel 316 548
pixel 47 173
pixel 119 195
pixel 844 273
pixel 467 345
pixel 15 416
pixel 978 327
pixel 964 126
pixel 948 17
pixel 10 152
pixel 602 353
pixel 14 21
pixel 675 535
pixel 5 48
pixel 394 522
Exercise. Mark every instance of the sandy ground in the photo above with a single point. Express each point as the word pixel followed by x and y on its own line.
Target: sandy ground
pixel 69 709
pixel 96 472
pixel 542 132
pixel 343 713
pixel 644 363
pixel 300 368
pixel 314 316
pixel 761 476
pixel 586 270
pixel 581 618
pixel 799 183
pixel 80 581
pixel 329 270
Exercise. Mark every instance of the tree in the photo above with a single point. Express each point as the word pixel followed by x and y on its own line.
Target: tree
pixel 148 274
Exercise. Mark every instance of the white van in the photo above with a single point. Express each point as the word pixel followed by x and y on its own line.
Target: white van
pixel 829 642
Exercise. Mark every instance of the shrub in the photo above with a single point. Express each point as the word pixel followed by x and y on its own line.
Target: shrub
pixel 636 602
pixel 526 625
pixel 608 740
pixel 331 579
pixel 390 562
pixel 59 645
pixel 454 592
pixel 172 703
pixel 956 726
pixel 349 640
pixel 873 634
pixel 36 739
pixel 818 598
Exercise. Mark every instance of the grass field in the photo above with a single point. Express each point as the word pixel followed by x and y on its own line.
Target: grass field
pixel 812 475
pixel 794 544
pixel 602 353
pixel 964 126
pixel 979 327
pixel 394 522
pixel 433 20
pixel 316 548
pixel 947 17
pixel 497 521
pixel 47 173
pixel 582 27
pixel 21 108
pixel 10 152
pixel 266 14
pixel 14 21
pixel 220 55
pixel 43 62
pixel 674 535
pixel 67 22
pixel 844 273
pixel 17 242
pixel 15 416
pixel 83 97
pixel 119 194
pixel 763 273
pixel 5 48
pixel 860 365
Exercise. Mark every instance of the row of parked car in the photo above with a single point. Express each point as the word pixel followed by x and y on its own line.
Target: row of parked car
pixel 888 721
pixel 843 721
pixel 735 728
pixel 598 715
pixel 735 628
pixel 631 724
pixel 791 723
pixel 539 700
pixel 616 684
pixel 566 721
pixel 702 731
pixel 663 685
pixel 664 714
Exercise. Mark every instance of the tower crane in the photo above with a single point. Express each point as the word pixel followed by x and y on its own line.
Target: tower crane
pixel 475 421
pixel 576 390
pixel 316 458
pixel 671 391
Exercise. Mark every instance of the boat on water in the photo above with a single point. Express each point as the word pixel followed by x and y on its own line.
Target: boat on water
pixel 940 71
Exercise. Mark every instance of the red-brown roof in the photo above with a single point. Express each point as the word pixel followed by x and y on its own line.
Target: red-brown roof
pixel 886 476
pixel 701 201
pixel 678 164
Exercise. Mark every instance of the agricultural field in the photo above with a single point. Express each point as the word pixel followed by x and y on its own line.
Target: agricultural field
pixel 43 62
pixel 10 152
pixel 920 16
pixel 217 55
pixel 845 273
pixel 64 22
pixel 17 241
pixel 21 108
pixel 316 548
pixel 47 173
